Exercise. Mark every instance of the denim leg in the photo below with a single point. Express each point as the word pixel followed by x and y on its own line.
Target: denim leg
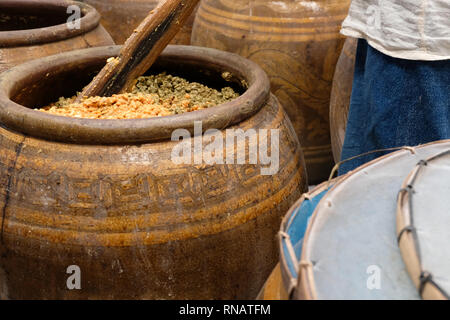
pixel 395 102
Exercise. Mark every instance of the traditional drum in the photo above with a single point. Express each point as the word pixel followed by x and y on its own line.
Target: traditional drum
pixel 32 29
pixel 350 249
pixel 340 96
pixel 298 44
pixel 108 197
pixel 423 223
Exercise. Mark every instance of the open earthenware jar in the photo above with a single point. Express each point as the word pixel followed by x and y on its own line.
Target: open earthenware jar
pixel 106 196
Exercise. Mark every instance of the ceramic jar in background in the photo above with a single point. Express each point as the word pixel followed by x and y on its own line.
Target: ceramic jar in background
pixel 121 17
pixel 340 96
pixel 298 44
pixel 33 29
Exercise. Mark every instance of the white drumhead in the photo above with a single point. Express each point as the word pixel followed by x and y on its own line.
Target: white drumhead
pixel 424 226
pixel 350 250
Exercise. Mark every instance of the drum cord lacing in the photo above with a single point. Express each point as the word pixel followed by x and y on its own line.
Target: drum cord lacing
pixel 286 239
pixel 293 257
pixel 290 248
pixel 338 165
pixel 425 276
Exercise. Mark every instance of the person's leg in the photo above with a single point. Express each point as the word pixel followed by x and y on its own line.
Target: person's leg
pixel 395 103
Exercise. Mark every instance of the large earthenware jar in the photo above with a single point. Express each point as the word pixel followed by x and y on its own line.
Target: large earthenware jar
pixel 107 196
pixel 121 17
pixel 340 96
pixel 32 29
pixel 297 43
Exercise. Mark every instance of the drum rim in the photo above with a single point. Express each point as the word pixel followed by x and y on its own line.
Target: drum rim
pixel 306 288
pixel 290 283
pixel 408 241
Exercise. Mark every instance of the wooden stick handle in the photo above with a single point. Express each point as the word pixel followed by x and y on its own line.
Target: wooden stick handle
pixel 142 48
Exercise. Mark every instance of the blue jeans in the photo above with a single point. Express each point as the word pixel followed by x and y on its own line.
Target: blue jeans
pixel 395 103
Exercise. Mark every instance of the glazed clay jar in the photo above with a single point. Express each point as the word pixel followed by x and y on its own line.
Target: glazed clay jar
pixel 32 29
pixel 121 17
pixel 298 44
pixel 107 197
pixel 341 95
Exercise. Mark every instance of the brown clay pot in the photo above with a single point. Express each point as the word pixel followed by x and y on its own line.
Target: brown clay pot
pixel 273 288
pixel 121 17
pixel 31 29
pixel 340 96
pixel 297 43
pixel 105 195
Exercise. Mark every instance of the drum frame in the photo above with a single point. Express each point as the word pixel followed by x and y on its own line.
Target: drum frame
pixel 289 282
pixel 407 236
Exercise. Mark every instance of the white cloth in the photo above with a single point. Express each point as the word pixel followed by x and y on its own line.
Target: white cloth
pixel 407 29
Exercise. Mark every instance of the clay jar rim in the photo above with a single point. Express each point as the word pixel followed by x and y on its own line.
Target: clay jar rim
pixel 130 131
pixel 90 20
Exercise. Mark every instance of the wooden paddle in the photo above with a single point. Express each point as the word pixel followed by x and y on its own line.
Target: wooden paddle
pixel 141 49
